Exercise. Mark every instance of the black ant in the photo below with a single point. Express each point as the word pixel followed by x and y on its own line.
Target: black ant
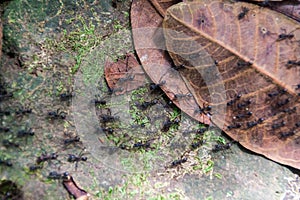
pixel 154 86
pixel 243 13
pixel 254 123
pixel 286 134
pixel 221 147
pixel 290 110
pixel 240 116
pixel 25 132
pixel 181 96
pixel 297 124
pixel 4 129
pixel 284 36
pixel 46 157
pixel 107 130
pixel 234 126
pixel 140 145
pixel 197 144
pixel 127 78
pixel 57 176
pixel 112 91
pixel 23 111
pixel 72 140
pixel 178 162
pixel 284 102
pixel 244 64
pixel 236 98
pixel 146 104
pixel 179 67
pixel 33 168
pixel 199 131
pixel 4 112
pixel 5 96
pixel 57 114
pixel 8 143
pixel 292 63
pixel 168 123
pixel 279 125
pixel 66 96
pixel 274 94
pixel 6 162
pixel 108 118
pixel 203 110
pixel 99 102
pixel 244 104
pixel 76 159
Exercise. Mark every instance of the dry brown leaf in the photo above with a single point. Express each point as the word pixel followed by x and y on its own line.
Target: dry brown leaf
pixel 242 65
pixel 124 75
pixel 149 45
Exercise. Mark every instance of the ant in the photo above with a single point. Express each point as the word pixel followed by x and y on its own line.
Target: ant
pixel 25 132
pixel 284 36
pixel 146 104
pixel 72 140
pixel 57 114
pixel 108 118
pixel 286 134
pixel 46 157
pixel 203 110
pixel 8 143
pixel 76 159
pixel 231 102
pixel 292 63
pixel 5 96
pixel 197 144
pixel 243 13
pixel 154 86
pixel 23 111
pixel 282 103
pixel 290 110
pixel 240 116
pixel 234 126
pixel 4 112
pixel 127 78
pixel 6 162
pixel 99 102
pixel 200 130
pixel 297 124
pixel 180 96
pixel 111 91
pixel 66 96
pixel 178 162
pixel 4 129
pixel 221 147
pixel 244 104
pixel 276 126
pixel 254 123
pixel 140 145
pixel 33 168
pixel 107 130
pixel 244 64
pixel 179 67
pixel 168 123
pixel 57 176
pixel 274 94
